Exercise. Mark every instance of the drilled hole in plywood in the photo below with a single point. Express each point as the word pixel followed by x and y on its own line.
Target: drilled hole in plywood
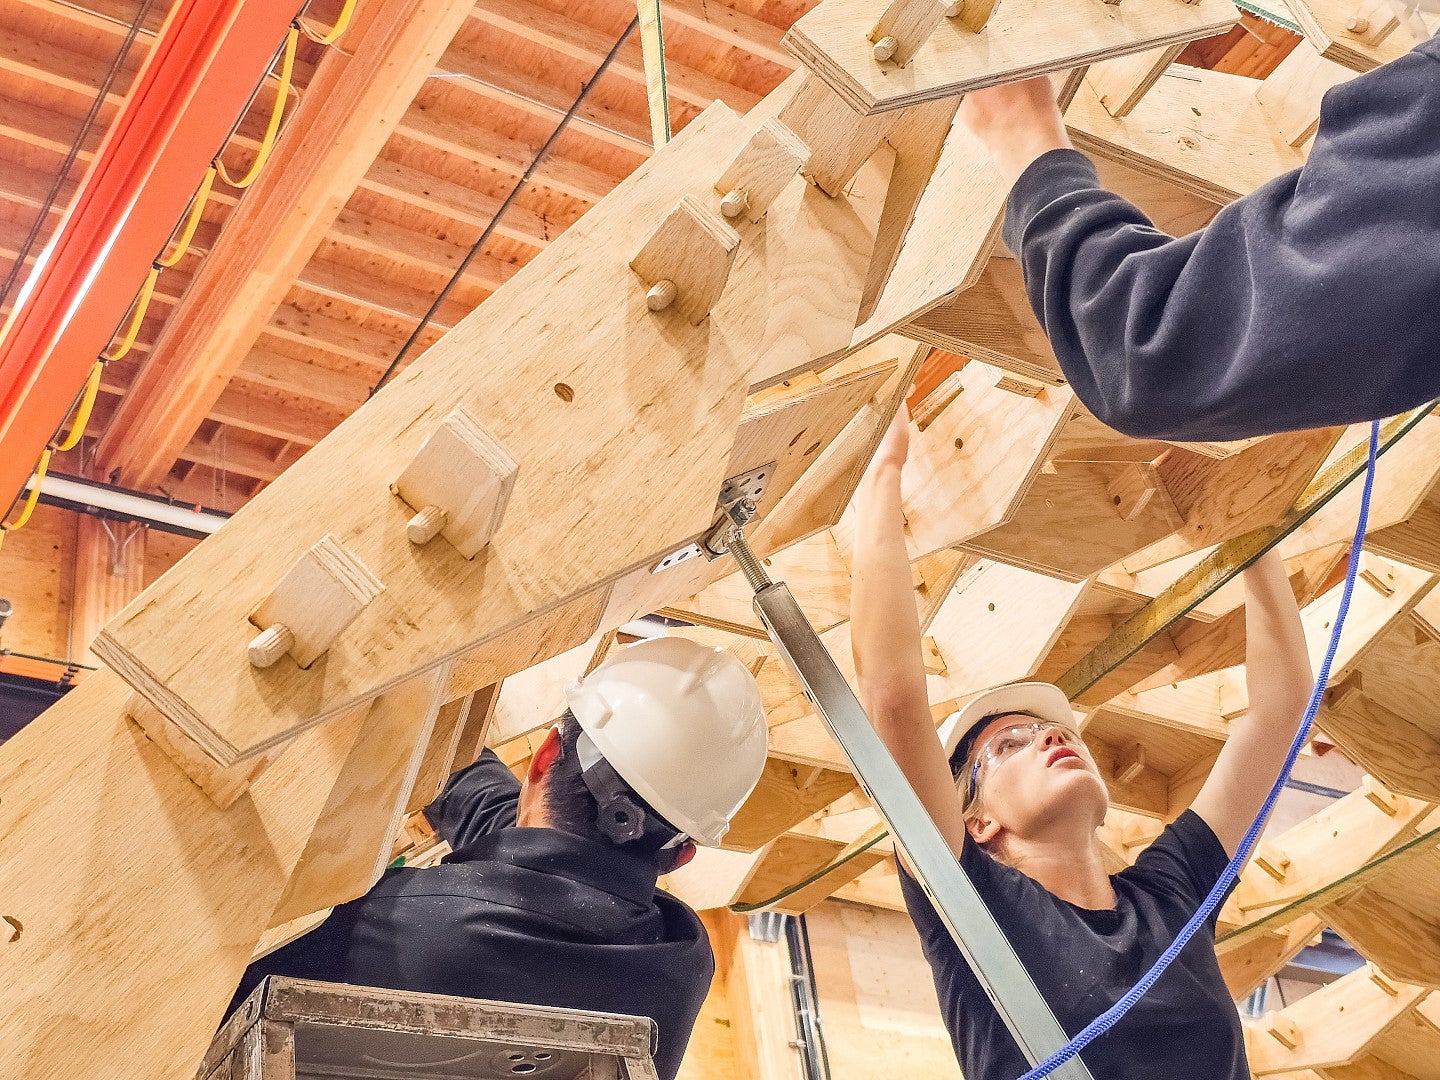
pixel 991 607
pixel 959 444
pixel 798 436
pixel 564 392
pixel 813 447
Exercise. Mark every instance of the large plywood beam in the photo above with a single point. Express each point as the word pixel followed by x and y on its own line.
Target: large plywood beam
pixel 652 445
pixel 1021 38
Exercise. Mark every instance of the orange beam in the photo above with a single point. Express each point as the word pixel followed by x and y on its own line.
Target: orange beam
pixel 207 60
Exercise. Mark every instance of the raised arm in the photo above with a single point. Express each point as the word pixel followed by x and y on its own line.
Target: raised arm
pixel 1279 681
pixel 885 637
pixel 1309 302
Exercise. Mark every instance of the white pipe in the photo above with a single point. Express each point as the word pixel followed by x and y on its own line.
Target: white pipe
pixel 131 506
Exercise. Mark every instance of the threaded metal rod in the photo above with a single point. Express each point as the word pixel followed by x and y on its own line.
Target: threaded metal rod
pixel 746 560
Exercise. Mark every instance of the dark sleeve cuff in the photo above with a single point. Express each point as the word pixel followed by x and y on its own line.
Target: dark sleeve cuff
pixel 1053 174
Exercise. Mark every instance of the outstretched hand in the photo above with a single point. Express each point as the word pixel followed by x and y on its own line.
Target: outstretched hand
pixel 1017 122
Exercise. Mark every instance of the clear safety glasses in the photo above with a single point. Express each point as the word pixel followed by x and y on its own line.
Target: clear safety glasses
pixel 1007 742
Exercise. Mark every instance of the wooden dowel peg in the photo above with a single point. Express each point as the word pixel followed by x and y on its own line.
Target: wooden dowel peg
pixel 426 525
pixel 762 169
pixel 971 14
pixel 270 645
pixel 322 594
pixel 687 260
pixel 735 202
pixel 661 295
pixel 904 27
pixel 459 483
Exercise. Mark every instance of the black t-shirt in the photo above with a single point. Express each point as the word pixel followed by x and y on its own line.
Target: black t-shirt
pixel 1083 961
pixel 516 914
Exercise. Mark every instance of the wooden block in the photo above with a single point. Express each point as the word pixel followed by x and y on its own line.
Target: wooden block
pixel 761 170
pixel 969 470
pixel 904 26
pixel 1022 38
pixel 692 251
pixel 161 875
pixel 223 784
pixel 1291 94
pixel 322 594
pixel 459 483
pixel 839 139
pixel 1272 860
pixel 1138 487
pixel 934 660
pixel 438 761
pixel 972 14
pixel 787 794
pixel 1284 1030
pixel 941 221
pixel 351 842
pixel 1326 25
pixel 1205 133
pixel 1122 82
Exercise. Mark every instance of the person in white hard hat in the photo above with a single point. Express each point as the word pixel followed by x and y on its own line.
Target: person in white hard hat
pixel 1017 795
pixel 549 896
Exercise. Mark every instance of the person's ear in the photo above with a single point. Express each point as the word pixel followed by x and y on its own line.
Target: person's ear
pixel 982 829
pixel 544 758
pixel 683 855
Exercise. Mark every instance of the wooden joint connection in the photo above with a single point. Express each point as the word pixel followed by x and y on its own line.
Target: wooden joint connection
pixel 1380 979
pixel 1373 22
pixel 773 157
pixel 971 14
pixel 1129 763
pixel 928 410
pixel 904 27
pixel 687 260
pixel 322 594
pixel 1383 799
pixel 222 784
pixel 1140 486
pixel 458 483
pixel 1384 584
pixel 1018 384
pixel 1273 861
pixel 1284 1030
pixel 934 659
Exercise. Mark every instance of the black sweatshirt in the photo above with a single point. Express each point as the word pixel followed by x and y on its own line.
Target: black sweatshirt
pixel 516 914
pixel 1313 300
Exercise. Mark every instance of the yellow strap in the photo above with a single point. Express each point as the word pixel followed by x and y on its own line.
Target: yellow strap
pixel 272 130
pixel 41 467
pixel 197 207
pixel 87 405
pixel 142 305
pixel 342 23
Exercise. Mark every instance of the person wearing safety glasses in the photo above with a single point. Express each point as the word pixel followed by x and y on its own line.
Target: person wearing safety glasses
pixel 1017 795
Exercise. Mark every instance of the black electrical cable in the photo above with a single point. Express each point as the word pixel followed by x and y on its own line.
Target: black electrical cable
pixel 89 122
pixel 504 206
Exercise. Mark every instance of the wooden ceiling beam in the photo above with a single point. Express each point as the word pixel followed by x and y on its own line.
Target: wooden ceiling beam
pixel 466 139
pixel 224 454
pixel 285 373
pixel 254 410
pixel 728 26
pixel 50 65
pixel 350 285
pixel 542 26
pixel 429 256
pixel 311 330
pixel 523 92
pixel 436 195
pixel 351 105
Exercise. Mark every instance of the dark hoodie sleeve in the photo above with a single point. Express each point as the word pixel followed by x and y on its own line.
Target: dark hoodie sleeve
pixel 1314 300
pixel 477 800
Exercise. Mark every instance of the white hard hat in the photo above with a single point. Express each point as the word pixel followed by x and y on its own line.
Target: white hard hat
pixel 682 724
pixel 1042 700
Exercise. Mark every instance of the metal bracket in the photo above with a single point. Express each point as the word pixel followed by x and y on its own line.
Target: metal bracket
pixel 737 491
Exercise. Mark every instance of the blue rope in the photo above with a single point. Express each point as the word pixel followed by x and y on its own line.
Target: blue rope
pixel 1108 1019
